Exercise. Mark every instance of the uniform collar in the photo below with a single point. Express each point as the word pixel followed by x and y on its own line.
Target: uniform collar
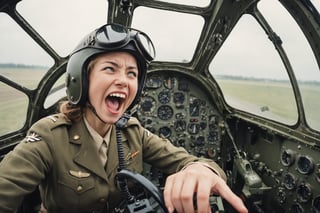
pixel 87 153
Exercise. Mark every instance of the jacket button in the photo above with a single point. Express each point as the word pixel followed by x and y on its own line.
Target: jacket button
pixel 76 137
pixel 79 188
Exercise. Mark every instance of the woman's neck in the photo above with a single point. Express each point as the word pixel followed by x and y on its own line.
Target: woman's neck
pixel 100 127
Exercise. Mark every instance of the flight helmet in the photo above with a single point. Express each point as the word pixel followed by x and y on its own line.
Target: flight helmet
pixel 108 38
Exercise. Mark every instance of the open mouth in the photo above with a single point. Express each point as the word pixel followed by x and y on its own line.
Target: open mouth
pixel 114 101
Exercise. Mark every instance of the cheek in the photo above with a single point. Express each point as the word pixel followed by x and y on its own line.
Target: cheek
pixel 96 86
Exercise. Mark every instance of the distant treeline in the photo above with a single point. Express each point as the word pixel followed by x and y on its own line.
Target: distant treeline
pixel 22 66
pixel 229 77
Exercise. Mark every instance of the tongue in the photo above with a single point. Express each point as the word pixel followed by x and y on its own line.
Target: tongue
pixel 112 104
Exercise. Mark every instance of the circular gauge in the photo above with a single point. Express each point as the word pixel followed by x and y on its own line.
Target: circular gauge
pixel 297 208
pixel 193 128
pixel 200 141
pixel 287 157
pixel 180 125
pixel 316 204
pixel 165 132
pixel 164 97
pixel 169 82
pixel 178 97
pixel 317 173
pixel 305 165
pixel 165 112
pixel 147 105
pixel 289 181
pixel 304 192
pixel 213 136
pixel 153 82
pixel 194 109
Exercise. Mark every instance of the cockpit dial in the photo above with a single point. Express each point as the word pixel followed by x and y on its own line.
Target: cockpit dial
pixel 165 112
pixel 287 157
pixel 147 105
pixel 305 164
pixel 164 97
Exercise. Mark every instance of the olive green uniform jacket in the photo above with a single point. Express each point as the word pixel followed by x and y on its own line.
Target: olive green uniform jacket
pixel 59 156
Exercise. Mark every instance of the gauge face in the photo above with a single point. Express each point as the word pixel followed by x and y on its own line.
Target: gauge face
pixel 193 128
pixel 147 105
pixel 194 108
pixel 287 157
pixel 297 208
pixel 165 112
pixel 178 98
pixel 169 82
pixel 164 97
pixel 318 172
pixel 165 132
pixel 316 204
pixel 289 181
pixel 304 192
pixel 305 164
pixel 180 125
pixel 153 82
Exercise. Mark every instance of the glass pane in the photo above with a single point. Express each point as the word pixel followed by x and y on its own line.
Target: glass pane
pixel 252 76
pixel 199 3
pixel 300 55
pixel 21 59
pixel 69 21
pixel 57 92
pixel 316 3
pixel 163 26
pixel 13 107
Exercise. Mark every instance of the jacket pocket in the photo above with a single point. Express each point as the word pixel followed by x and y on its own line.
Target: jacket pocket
pixel 74 191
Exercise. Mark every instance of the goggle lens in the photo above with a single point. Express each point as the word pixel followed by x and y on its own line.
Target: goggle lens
pixel 111 35
pixel 116 36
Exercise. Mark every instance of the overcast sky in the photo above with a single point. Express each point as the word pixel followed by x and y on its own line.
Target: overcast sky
pixel 63 23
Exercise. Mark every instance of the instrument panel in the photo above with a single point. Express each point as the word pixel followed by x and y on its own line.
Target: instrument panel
pixel 177 107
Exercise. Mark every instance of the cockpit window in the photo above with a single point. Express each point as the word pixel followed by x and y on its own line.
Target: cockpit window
pixel 67 23
pixel 22 63
pixel 249 56
pixel 252 76
pixel 22 60
pixel 198 3
pixel 301 57
pixel 173 38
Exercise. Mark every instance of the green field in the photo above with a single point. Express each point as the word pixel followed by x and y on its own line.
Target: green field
pixel 274 100
pixel 14 104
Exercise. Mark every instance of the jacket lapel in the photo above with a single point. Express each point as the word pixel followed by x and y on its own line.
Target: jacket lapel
pixel 87 155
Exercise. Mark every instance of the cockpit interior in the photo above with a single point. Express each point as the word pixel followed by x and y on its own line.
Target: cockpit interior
pixel 236 81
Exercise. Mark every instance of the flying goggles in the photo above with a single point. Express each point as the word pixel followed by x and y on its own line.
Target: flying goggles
pixel 115 36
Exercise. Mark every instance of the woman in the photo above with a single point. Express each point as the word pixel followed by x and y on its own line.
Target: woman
pixel 72 156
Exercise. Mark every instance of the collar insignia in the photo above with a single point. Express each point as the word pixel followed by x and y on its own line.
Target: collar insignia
pixel 33 137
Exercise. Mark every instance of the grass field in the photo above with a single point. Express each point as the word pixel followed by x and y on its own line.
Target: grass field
pixel 14 104
pixel 273 100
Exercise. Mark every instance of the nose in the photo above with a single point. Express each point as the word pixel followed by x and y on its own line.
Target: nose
pixel 122 79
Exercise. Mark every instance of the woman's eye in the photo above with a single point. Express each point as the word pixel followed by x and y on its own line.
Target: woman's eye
pixel 108 69
pixel 133 74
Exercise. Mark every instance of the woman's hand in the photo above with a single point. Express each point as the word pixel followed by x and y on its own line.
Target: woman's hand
pixel 181 186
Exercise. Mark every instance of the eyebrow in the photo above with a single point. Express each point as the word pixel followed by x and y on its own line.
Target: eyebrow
pixel 117 65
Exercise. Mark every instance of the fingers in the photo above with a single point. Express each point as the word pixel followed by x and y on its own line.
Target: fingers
pixel 178 192
pixel 225 192
pixel 180 188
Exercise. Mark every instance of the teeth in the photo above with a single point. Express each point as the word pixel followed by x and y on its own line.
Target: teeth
pixel 118 95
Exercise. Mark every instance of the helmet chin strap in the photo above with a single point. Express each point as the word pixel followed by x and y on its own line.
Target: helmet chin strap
pixel 91 107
